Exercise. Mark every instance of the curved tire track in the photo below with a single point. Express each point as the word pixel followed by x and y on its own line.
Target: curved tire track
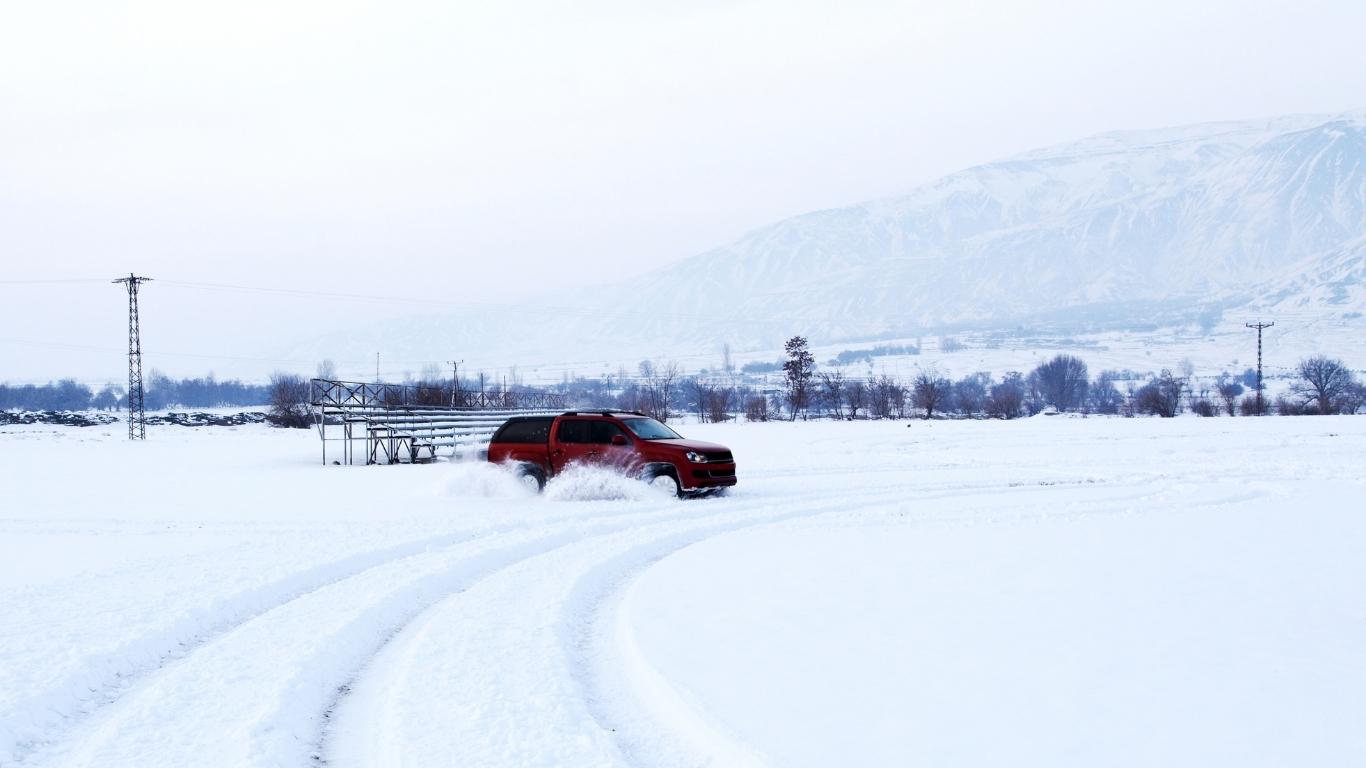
pixel 492 675
pixel 326 633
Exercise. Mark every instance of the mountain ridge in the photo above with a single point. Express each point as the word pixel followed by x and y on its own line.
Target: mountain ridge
pixel 1109 229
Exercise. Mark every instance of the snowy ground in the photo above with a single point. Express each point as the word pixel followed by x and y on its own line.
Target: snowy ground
pixel 1052 591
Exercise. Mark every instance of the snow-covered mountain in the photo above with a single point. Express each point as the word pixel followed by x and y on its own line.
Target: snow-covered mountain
pixel 1111 232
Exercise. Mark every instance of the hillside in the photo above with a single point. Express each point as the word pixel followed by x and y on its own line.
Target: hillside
pixel 1114 233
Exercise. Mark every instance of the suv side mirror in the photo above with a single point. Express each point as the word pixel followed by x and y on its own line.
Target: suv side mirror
pixel 620 440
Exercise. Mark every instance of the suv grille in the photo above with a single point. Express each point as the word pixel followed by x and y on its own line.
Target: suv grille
pixel 719 457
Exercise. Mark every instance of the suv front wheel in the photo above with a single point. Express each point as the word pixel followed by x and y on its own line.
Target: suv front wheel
pixel 664 481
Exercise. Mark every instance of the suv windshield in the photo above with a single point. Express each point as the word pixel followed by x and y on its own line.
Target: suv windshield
pixel 649 429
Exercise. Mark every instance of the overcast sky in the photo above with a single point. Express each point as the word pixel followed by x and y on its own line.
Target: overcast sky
pixel 431 149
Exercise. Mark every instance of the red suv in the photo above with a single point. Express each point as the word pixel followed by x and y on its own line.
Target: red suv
pixel 543 446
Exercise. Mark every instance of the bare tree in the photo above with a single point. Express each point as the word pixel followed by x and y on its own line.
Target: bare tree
pixel 880 397
pixel 1323 381
pixel 832 392
pixel 718 404
pixel 1103 395
pixel 658 385
pixel 1062 382
pixel 1354 399
pixel 289 405
pixel 756 408
pixel 901 399
pixel 929 391
pixel 970 393
pixel 857 395
pixel 647 399
pixel 108 398
pixel 666 380
pixel 799 368
pixel 431 388
pixel 1229 391
pixel 327 370
pixel 701 391
pixel 1006 399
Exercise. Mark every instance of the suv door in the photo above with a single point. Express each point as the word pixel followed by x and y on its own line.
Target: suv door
pixel 621 456
pixel 573 443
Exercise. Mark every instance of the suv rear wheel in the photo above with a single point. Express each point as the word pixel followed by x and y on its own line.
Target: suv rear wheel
pixel 532 478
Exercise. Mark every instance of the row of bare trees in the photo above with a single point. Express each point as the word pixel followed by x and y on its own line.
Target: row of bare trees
pixel 1062 383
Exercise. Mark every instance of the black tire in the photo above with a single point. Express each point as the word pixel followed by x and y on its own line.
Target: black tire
pixel 655 479
pixel 529 472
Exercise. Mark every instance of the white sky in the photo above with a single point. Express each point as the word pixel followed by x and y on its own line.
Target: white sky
pixel 422 149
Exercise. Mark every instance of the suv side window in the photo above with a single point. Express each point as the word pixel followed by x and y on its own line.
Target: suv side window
pixel 603 432
pixel 574 431
pixel 528 431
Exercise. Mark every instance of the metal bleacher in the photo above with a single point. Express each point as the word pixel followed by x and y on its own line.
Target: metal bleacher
pixel 410 424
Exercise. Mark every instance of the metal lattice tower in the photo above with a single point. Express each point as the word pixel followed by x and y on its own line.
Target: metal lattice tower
pixel 137 418
pixel 1260 326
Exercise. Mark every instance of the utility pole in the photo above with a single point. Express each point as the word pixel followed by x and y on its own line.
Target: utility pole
pixel 1260 326
pixel 376 367
pixel 137 417
pixel 455 382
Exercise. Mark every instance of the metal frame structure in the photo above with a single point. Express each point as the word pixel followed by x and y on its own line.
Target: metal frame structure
pixel 404 423
pixel 1259 326
pixel 137 416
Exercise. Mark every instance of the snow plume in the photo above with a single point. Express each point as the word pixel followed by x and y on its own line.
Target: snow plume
pixel 585 483
pixel 482 479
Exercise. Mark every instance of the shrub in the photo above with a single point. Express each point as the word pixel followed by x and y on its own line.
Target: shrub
pixel 1160 396
pixel 289 401
pixel 756 408
pixel 1287 407
pixel 1249 406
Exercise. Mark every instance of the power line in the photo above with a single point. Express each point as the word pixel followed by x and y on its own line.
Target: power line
pixel 199 355
pixel 438 303
pixel 51 282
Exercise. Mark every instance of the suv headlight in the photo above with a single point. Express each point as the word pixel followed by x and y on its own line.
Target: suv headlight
pixel 696 458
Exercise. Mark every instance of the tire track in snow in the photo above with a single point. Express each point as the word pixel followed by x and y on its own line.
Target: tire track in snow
pixel 64 705
pixel 345 689
pixel 387 616
pixel 214 669
pixel 225 669
pixel 654 724
pixel 42 721
pixel 377 697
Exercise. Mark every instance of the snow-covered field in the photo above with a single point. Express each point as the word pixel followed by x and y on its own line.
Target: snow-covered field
pixel 1051 591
